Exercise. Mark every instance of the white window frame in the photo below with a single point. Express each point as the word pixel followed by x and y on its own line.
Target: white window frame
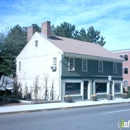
pixel 114 70
pixel 124 83
pixel 69 64
pixel 101 66
pixel 55 61
pixel 127 57
pixel 124 70
pixel 19 65
pixel 86 65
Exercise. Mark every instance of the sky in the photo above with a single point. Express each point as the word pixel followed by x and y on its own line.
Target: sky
pixel 110 17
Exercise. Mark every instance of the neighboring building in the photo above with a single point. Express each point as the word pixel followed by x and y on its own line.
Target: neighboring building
pixel 125 54
pixel 71 67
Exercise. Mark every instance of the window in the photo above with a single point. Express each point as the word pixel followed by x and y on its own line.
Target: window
pixel 101 87
pixel 54 61
pixel 84 65
pixel 100 66
pixel 36 43
pixel 125 84
pixel 117 87
pixel 114 67
pixel 126 57
pixel 19 65
pixel 121 56
pixel 72 88
pixel 71 64
pixel 125 70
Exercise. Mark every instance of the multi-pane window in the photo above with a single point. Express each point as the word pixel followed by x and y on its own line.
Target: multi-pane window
pixel 54 61
pixel 125 70
pixel 126 57
pixel 72 88
pixel 71 64
pixel 117 87
pixel 19 65
pixel 101 87
pixel 125 84
pixel 36 43
pixel 114 67
pixel 100 66
pixel 84 65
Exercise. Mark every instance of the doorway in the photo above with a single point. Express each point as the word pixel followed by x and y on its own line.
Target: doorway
pixel 85 90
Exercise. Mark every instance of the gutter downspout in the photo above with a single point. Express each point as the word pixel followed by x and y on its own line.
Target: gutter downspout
pixel 60 72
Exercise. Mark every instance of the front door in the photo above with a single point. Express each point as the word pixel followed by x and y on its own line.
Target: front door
pixel 85 90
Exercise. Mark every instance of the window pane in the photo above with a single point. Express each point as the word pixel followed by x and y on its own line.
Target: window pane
pixel 54 61
pixel 19 65
pixel 125 70
pixel 72 88
pixel 36 43
pixel 117 87
pixel 114 67
pixel 125 84
pixel 71 63
pixel 121 56
pixel 126 57
pixel 84 64
pixel 100 66
pixel 101 87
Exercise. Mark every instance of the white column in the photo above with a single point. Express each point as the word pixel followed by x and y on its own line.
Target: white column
pixel 63 90
pixel 113 89
pixel 89 89
pixel 94 87
pixel 108 87
pixel 121 87
pixel 82 89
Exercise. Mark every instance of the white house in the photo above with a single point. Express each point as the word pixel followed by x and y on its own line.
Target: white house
pixel 69 66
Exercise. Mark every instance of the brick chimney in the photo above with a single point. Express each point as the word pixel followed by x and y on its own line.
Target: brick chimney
pixel 45 29
pixel 30 31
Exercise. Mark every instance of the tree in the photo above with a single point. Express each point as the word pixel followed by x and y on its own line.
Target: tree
pixel 14 42
pixel 68 30
pixel 94 36
pixel 2 40
pixel 64 30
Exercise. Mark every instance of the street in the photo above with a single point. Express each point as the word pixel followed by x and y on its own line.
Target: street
pixel 88 118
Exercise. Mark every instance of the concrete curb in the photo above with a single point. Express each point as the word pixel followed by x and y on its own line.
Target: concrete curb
pixel 62 108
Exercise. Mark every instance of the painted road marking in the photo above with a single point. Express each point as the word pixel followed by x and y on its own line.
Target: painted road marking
pixel 116 111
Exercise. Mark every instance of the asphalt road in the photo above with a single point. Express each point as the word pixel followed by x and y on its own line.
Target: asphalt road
pixel 87 118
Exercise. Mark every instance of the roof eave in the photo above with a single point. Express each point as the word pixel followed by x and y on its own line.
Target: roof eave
pixel 68 54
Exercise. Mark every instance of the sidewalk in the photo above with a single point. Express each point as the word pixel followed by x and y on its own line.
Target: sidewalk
pixel 60 105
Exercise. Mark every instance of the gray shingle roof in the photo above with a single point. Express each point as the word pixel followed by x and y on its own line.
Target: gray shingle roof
pixel 81 47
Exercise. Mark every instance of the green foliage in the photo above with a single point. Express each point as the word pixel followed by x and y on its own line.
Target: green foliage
pixel 64 30
pixel 2 40
pixel 68 30
pixel 12 44
pixel 94 36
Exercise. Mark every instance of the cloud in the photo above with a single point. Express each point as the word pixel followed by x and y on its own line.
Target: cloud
pixel 111 18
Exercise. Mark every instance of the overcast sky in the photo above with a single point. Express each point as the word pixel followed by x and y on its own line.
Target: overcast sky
pixel 110 17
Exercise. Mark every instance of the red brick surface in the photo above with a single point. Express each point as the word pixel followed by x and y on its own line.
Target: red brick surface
pixel 125 64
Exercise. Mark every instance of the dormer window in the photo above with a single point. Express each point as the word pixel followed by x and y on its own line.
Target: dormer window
pixel 121 56
pixel 126 57
pixel 126 70
pixel 36 43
